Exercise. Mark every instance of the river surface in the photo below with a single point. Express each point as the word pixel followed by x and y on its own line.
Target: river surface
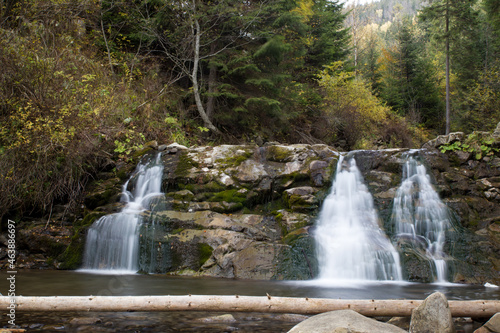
pixel 74 283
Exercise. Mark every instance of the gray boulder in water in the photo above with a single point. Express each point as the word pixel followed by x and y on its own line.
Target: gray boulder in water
pixel 433 315
pixel 343 321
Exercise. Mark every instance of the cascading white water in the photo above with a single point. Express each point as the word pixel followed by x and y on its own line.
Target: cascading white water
pixel 113 241
pixel 419 214
pixel 350 243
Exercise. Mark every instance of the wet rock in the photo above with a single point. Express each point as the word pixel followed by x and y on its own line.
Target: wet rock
pixel 433 315
pixel 401 322
pixel 318 171
pixel 290 317
pixel 492 325
pixel 225 318
pixel 343 321
pixel 292 221
pixel 300 198
pixel 85 321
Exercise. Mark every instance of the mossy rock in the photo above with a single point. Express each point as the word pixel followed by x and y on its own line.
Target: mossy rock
pixel 232 195
pixel 183 195
pixel 226 207
pixel 205 252
pixel 102 197
pixel 211 186
pixel 298 261
pixel 279 154
pixel 72 257
pixel 292 237
pixel 184 165
pixel 236 159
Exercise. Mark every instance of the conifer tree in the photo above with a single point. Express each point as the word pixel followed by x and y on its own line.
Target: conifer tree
pixel 451 21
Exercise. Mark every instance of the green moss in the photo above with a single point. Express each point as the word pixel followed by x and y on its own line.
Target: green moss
pixel 236 160
pixel 211 186
pixel 293 236
pixel 229 196
pixel 205 252
pixel 278 154
pixel 184 165
pixel 177 231
pixel 71 258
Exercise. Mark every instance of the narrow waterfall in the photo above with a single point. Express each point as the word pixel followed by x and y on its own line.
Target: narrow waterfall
pixel 113 241
pixel 350 243
pixel 419 214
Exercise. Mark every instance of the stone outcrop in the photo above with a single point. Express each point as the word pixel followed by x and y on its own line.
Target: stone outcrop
pixel 433 315
pixel 467 182
pixel 248 211
pixel 343 321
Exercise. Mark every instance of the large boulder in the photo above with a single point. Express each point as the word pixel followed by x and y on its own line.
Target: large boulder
pixel 492 325
pixel 343 321
pixel 433 315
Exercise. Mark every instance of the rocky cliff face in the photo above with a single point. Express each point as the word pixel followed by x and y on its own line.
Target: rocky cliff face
pixel 249 211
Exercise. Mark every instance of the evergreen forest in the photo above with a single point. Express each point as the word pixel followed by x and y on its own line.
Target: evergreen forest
pixel 86 82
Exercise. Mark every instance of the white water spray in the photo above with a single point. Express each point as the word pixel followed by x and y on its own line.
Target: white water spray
pixel 419 214
pixel 113 241
pixel 350 243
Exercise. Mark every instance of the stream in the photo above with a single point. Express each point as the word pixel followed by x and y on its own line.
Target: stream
pixel 75 283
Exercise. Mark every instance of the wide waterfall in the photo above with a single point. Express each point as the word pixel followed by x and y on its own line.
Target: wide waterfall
pixel 113 241
pixel 419 215
pixel 350 243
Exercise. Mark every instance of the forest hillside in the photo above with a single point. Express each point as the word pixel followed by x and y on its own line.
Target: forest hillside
pixel 85 84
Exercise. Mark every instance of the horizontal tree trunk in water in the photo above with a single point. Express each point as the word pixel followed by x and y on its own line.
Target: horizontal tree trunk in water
pixel 479 308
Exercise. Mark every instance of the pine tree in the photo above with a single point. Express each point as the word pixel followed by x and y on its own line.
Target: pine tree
pixel 451 22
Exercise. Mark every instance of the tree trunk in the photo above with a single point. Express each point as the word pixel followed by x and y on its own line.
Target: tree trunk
pixel 194 78
pixel 212 81
pixel 480 308
pixel 447 18
pixel 106 42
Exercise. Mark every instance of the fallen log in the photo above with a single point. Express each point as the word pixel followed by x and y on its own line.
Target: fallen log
pixel 478 308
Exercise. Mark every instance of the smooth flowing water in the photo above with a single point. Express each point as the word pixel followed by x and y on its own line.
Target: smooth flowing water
pixel 350 243
pixel 420 215
pixel 112 243
pixel 68 283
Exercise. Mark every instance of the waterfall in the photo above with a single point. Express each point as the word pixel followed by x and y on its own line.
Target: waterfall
pixel 350 243
pixel 113 241
pixel 419 214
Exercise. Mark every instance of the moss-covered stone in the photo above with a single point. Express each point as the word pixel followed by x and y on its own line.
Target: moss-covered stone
pixel 236 159
pixel 297 261
pixel 184 165
pixel 72 257
pixel 205 252
pixel 183 195
pixel 102 197
pixel 279 153
pixel 232 195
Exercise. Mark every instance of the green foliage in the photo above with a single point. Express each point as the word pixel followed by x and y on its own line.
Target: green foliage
pixel 62 109
pixel 352 109
pixel 409 81
pixel 476 143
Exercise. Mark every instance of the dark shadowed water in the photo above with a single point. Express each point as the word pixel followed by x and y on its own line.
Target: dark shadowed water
pixel 71 283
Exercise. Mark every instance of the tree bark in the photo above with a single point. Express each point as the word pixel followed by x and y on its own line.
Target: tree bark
pixel 194 78
pixel 106 42
pixel 212 80
pixel 269 304
pixel 447 18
